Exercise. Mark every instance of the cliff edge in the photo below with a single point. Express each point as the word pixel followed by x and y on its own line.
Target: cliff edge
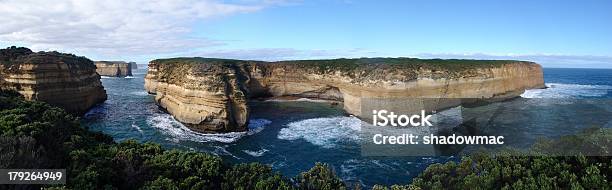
pixel 63 80
pixel 210 95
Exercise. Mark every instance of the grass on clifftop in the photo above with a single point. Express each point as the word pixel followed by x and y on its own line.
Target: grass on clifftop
pixel 198 60
pixel 351 64
pixel 323 65
pixel 19 55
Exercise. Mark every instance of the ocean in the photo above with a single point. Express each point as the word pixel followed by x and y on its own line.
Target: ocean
pixel 291 136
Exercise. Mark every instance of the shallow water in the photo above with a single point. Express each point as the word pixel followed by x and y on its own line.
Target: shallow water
pixel 292 135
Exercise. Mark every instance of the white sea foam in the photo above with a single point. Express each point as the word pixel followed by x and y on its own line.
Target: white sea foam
pixel 560 90
pixel 173 139
pixel 168 125
pixel 109 77
pixel 220 150
pixel 324 132
pixel 137 128
pixel 139 93
pixel 257 153
pixel 279 164
pixel 298 100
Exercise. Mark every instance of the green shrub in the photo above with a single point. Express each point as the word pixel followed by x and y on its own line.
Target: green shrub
pixel 321 176
pixel 254 176
pixel 511 169
pixel 36 135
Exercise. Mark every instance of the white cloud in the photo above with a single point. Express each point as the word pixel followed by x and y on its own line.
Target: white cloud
pixel 113 27
pixel 276 54
pixel 546 60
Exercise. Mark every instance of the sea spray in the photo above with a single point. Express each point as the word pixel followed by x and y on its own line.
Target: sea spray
pixel 561 90
pixel 324 132
pixel 168 125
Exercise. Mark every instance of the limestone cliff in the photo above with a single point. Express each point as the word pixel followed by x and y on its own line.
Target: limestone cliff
pixel 63 80
pixel 114 68
pixel 206 97
pixel 133 65
pixel 210 95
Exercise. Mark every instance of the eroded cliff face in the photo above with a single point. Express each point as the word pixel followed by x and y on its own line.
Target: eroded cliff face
pixel 63 80
pixel 114 68
pixel 206 97
pixel 210 95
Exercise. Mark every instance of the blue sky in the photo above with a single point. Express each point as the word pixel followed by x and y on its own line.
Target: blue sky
pixel 553 33
pixel 426 26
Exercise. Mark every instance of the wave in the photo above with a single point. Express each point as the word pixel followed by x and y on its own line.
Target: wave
pixel 170 126
pixel 560 90
pixel 139 93
pixel 299 100
pixel 139 73
pixel 220 150
pixel 257 153
pixel 279 163
pixel 324 132
pixel 108 77
pixel 137 128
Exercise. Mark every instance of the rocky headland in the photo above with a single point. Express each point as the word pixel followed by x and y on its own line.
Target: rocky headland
pixel 63 80
pixel 114 68
pixel 211 95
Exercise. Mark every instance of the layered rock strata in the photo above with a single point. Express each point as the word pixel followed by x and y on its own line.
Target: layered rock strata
pixel 114 68
pixel 63 80
pixel 210 95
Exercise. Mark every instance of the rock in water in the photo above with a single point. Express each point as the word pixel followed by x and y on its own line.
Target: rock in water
pixel 63 80
pixel 133 65
pixel 114 68
pixel 210 95
pixel 207 97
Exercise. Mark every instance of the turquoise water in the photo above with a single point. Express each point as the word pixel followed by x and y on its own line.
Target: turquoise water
pixel 291 136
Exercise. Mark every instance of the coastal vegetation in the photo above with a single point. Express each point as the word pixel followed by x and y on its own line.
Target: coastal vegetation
pixel 515 172
pixel 19 55
pixel 351 65
pixel 548 166
pixel 396 63
pixel 346 63
pixel 36 135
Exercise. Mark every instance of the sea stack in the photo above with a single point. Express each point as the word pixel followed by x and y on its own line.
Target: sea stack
pixel 114 68
pixel 133 65
pixel 210 95
pixel 63 80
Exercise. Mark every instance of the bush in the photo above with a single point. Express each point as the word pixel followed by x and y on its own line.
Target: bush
pixel 511 169
pixel 254 176
pixel 36 135
pixel 320 177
